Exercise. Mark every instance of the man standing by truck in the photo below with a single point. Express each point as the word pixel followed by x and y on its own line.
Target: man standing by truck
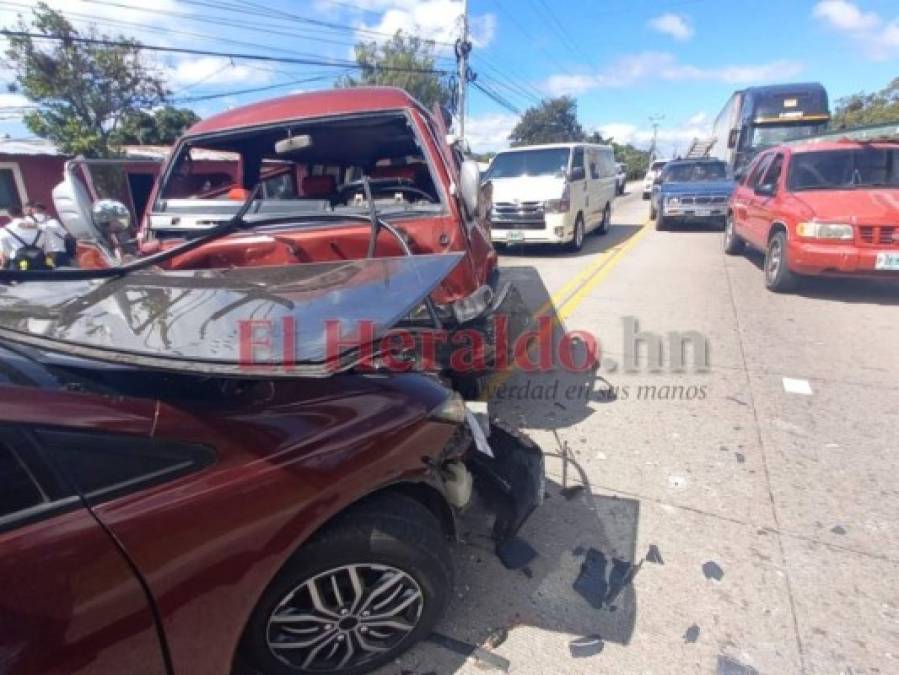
pixel 23 243
pixel 59 244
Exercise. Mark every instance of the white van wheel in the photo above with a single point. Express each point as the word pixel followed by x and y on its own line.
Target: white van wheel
pixel 577 242
pixel 606 221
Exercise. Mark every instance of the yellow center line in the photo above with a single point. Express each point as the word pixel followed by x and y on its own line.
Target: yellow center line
pixel 572 294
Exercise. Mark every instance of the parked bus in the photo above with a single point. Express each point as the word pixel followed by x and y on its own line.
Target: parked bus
pixel 760 117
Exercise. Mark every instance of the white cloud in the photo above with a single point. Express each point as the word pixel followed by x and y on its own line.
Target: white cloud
pixel 213 70
pixel 486 133
pixel 437 20
pixel 674 25
pixel 671 139
pixel 845 15
pixel 647 66
pixel 878 38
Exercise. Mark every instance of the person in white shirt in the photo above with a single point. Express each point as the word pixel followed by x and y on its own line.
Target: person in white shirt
pixel 22 243
pixel 59 244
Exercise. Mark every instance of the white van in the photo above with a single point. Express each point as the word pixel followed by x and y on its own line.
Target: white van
pixel 551 194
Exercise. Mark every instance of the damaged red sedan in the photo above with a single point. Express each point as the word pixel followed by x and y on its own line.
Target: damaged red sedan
pixel 170 508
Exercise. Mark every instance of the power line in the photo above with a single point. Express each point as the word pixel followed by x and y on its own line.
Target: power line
pixel 497 98
pixel 225 55
pixel 254 90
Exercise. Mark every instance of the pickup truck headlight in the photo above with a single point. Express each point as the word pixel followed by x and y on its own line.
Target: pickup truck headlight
pixel 451 411
pixel 825 230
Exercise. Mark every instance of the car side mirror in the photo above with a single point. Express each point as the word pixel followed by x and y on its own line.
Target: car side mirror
pixel 732 138
pixel 470 186
pixel 110 216
pixel 766 190
pixel 576 174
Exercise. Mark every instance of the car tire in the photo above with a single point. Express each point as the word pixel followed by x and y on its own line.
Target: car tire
pixel 577 241
pixel 606 221
pixel 390 539
pixel 778 276
pixel 733 243
pixel 645 195
pixel 661 221
pixel 652 211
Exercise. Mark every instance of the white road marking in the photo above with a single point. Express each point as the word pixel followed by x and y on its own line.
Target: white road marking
pixel 793 386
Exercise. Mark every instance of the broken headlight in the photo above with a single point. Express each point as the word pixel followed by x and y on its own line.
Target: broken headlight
pixel 451 411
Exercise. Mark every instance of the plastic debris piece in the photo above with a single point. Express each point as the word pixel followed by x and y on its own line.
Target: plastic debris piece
pixel 712 570
pixel 729 666
pixel 583 647
pixel 515 553
pixel 465 649
pixel 654 555
pixel 838 529
pixel 692 634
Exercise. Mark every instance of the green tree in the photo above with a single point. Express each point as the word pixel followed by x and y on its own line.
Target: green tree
pixel 83 91
pixel 554 120
pixel 403 61
pixel 858 110
pixel 635 160
pixel 163 127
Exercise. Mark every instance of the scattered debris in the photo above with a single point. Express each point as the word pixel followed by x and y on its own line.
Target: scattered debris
pixel 592 584
pixel 838 529
pixel 729 666
pixel 741 458
pixel 571 492
pixel 736 400
pixel 589 645
pixel 465 649
pixel 724 448
pixel 559 405
pixel 692 634
pixel 496 638
pixel 601 456
pixel 712 571
pixel 528 572
pixel 578 551
pixel 677 482
pixel 591 581
pixel 654 555
pixel 797 386
pixel 514 553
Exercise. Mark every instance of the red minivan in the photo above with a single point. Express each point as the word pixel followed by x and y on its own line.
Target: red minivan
pixel 826 208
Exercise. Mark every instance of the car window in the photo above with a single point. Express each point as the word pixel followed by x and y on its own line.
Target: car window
pixel 594 164
pixel 103 465
pixel 772 175
pixel 756 172
pixel 19 490
pixel 578 159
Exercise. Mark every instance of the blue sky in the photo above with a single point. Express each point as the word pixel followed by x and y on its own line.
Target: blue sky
pixel 624 60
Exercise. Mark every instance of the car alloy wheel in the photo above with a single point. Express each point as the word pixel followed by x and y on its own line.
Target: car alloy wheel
pixel 774 260
pixel 577 241
pixel 345 617
pixel 733 244
pixel 606 221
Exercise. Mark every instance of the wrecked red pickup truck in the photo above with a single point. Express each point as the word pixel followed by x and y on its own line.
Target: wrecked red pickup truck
pixel 327 176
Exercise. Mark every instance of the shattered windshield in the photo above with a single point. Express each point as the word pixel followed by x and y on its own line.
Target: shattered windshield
pixel 302 168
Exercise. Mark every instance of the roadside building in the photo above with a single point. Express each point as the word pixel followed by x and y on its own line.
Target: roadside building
pixel 29 170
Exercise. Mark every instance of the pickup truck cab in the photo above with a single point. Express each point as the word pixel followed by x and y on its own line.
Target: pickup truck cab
pixel 326 176
pixel 819 208
pixel 691 189
pixel 552 194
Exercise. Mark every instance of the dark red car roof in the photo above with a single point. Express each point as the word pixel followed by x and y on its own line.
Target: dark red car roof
pixel 312 104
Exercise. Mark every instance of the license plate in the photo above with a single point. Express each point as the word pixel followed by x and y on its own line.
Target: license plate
pixel 887 261
pixel 515 235
pixel 702 213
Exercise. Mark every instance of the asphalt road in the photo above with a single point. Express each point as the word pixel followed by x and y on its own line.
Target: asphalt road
pixel 763 488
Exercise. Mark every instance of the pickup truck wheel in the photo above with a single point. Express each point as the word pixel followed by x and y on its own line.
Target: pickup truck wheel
pixel 356 596
pixel 577 241
pixel 733 243
pixel 606 221
pixel 778 276
pixel 652 211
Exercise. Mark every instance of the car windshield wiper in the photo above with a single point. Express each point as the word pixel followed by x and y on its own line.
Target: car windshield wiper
pixel 236 222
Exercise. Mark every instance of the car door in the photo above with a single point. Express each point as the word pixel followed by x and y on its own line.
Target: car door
pixel 608 182
pixel 71 602
pixel 745 198
pixel 766 205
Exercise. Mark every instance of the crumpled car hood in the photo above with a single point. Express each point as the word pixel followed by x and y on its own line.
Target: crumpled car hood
pixel 195 321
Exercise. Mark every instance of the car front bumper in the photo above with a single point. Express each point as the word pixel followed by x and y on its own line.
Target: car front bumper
pixel 837 259
pixel 557 228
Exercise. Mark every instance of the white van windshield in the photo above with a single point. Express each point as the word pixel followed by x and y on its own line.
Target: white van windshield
pixel 545 162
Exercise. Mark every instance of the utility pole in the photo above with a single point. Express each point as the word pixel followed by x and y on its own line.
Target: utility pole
pixel 654 121
pixel 463 49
